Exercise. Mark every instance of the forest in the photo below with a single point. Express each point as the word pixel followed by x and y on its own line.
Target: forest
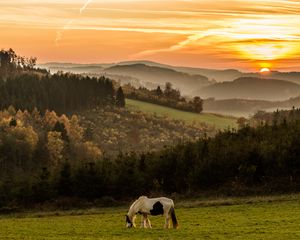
pixel 65 136
pixel 26 88
pixel 264 159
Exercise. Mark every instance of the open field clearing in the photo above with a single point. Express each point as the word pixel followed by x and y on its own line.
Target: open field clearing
pixel 262 219
pixel 220 122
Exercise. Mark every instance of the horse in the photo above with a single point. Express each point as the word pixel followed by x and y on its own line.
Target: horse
pixel 153 206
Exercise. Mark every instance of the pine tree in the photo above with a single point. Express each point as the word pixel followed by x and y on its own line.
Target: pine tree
pixel 60 127
pixel 120 99
pixel 158 91
pixel 13 122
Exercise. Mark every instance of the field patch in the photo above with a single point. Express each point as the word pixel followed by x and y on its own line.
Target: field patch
pixel 261 220
pixel 219 121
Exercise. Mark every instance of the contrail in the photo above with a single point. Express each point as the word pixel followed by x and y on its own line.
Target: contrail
pixel 60 33
pixel 85 6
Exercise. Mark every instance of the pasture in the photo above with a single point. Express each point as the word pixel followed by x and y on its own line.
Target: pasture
pixel 277 218
pixel 219 121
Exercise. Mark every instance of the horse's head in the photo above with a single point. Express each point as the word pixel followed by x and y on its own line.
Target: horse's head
pixel 129 223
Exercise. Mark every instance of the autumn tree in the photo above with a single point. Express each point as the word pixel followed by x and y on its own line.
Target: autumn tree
pixel 18 143
pixel 75 130
pixel 55 146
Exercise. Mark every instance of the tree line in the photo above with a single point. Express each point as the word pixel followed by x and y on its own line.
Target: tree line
pixel 11 63
pixel 265 158
pixel 60 92
pixel 26 88
pixel 168 97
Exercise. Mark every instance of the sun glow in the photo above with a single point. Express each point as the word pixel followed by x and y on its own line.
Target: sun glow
pixel 265 51
pixel 212 34
pixel 264 70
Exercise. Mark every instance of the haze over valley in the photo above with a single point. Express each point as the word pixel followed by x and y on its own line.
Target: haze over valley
pixel 228 91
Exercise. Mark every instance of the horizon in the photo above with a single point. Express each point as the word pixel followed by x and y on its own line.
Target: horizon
pixel 143 61
pixel 242 34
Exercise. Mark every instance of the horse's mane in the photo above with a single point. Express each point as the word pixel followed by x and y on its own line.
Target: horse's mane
pixel 137 201
pixel 142 197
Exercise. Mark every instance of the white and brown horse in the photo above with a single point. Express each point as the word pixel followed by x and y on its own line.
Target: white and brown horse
pixel 151 206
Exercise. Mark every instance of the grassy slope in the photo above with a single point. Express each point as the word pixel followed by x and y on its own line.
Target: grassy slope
pixel 279 219
pixel 220 122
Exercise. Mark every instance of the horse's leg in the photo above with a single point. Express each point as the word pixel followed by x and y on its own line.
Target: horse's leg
pixel 145 220
pixel 142 221
pixel 133 221
pixel 167 221
pixel 148 222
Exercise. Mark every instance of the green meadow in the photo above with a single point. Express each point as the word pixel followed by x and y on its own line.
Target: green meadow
pixel 219 121
pixel 267 219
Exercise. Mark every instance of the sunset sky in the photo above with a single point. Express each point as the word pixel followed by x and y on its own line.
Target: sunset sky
pixel 244 34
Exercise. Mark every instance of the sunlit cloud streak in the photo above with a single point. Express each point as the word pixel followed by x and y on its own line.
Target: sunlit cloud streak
pixel 85 6
pixel 227 31
pixel 60 33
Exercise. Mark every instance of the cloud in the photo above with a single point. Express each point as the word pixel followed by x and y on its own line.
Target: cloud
pixel 85 6
pixel 219 28
pixel 59 34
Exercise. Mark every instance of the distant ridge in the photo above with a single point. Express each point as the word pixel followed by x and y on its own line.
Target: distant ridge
pixel 219 75
pixel 159 75
pixel 252 88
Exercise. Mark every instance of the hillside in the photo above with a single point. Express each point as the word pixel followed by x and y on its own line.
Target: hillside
pixel 217 121
pixel 216 74
pixel 222 75
pixel 237 107
pixel 246 107
pixel 252 88
pixel 219 75
pixel 157 75
pixel 147 74
pixel 124 130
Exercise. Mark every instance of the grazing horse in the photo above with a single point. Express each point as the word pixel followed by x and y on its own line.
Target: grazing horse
pixel 153 206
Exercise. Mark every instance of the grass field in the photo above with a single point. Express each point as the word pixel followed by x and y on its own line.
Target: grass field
pixel 279 219
pixel 220 122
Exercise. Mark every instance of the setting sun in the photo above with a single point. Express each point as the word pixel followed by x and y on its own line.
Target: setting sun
pixel 218 34
pixel 265 70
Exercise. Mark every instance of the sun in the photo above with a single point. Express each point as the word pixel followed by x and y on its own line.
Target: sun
pixel 264 70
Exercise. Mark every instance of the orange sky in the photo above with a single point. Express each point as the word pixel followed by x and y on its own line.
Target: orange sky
pixel 244 34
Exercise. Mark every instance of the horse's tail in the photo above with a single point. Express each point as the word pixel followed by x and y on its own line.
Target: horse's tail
pixel 173 216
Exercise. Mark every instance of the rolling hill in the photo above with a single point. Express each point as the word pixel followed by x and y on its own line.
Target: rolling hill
pixel 246 107
pixel 219 75
pixel 158 75
pixel 147 73
pixel 252 88
pixel 218 121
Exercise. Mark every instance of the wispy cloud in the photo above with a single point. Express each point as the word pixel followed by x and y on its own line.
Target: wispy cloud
pixel 59 34
pixel 167 29
pixel 85 6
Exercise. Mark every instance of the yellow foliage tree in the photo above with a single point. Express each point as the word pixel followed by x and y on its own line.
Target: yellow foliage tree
pixel 75 130
pixel 55 146
pixel 50 118
pixel 88 152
